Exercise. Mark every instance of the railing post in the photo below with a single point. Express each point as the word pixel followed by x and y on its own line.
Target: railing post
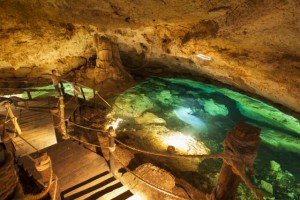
pixel 28 94
pixel 7 141
pixel 94 93
pixel 9 181
pixel 112 148
pixel 62 117
pixel 44 167
pixel 28 91
pixel 56 122
pixel 62 88
pixel 82 93
pixel 13 118
pixel 241 145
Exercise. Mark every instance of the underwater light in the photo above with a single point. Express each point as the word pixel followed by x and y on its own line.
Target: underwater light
pixel 203 57
pixel 179 141
pixel 114 124
pixel 184 115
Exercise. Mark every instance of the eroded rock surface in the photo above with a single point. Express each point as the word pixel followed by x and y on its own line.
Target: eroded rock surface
pixel 252 45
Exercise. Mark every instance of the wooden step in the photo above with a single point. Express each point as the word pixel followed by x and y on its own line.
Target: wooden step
pixel 103 186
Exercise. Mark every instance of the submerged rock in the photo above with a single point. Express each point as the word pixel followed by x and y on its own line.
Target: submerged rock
pixel 149 118
pixel 266 186
pixel 131 105
pixel 213 108
pixel 156 176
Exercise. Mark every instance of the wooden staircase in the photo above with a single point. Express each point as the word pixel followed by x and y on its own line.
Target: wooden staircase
pixel 102 186
pixel 82 174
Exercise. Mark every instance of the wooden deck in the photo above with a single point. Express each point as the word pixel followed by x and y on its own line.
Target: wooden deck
pixel 82 174
pixel 36 123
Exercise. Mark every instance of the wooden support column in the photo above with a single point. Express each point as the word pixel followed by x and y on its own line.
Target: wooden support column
pixel 28 94
pixel 44 167
pixel 241 145
pixel 112 148
pixel 62 117
pixel 13 118
pixel 82 93
pixel 9 181
pixel 7 141
pixel 62 89
pixel 56 122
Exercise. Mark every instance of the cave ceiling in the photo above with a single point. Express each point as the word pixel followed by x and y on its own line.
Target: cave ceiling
pixel 253 45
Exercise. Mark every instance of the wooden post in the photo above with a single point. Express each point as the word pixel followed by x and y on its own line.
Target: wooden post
pixel 9 181
pixel 56 122
pixel 44 167
pixel 28 94
pixel 78 106
pixel 28 91
pixel 94 97
pixel 7 141
pixel 241 144
pixel 112 148
pixel 62 117
pixel 62 88
pixel 13 118
pixel 82 93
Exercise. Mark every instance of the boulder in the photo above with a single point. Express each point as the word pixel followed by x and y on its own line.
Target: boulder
pixel 149 118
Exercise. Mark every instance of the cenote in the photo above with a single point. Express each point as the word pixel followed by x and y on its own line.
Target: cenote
pixel 206 113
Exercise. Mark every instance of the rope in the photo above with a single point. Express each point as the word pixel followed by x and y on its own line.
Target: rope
pixel 45 192
pixel 102 99
pixel 241 173
pixel 212 156
pixel 27 155
pixel 69 100
pixel 87 128
pixel 9 178
pixel 150 184
pixel 29 143
pixel 87 143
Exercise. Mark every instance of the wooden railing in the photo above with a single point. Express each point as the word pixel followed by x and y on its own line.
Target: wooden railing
pixel 235 157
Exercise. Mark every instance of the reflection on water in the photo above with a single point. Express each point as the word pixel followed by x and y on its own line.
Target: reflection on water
pixel 207 113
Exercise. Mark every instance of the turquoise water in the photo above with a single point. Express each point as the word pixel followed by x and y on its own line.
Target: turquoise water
pixel 208 112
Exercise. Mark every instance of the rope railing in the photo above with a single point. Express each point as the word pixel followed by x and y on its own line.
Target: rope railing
pixel 28 89
pixel 150 184
pixel 230 160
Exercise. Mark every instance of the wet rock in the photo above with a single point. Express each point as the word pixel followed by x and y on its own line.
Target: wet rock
pixel 214 108
pixel 165 97
pixel 266 186
pixel 149 118
pixel 156 176
pixel 131 105
pixel 275 167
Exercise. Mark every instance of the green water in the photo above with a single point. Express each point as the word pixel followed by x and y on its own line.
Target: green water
pixel 48 90
pixel 208 112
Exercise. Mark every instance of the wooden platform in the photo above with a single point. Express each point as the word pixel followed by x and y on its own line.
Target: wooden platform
pixel 82 174
pixel 36 123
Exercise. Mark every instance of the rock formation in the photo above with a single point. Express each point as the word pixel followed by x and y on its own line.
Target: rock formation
pixel 252 45
pixel 108 63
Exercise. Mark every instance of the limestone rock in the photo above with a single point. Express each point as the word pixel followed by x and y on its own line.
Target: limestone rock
pixel 214 108
pixel 131 105
pixel 156 176
pixel 149 118
pixel 266 186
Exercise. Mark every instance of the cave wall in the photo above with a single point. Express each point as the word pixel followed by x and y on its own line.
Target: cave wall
pixel 253 44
